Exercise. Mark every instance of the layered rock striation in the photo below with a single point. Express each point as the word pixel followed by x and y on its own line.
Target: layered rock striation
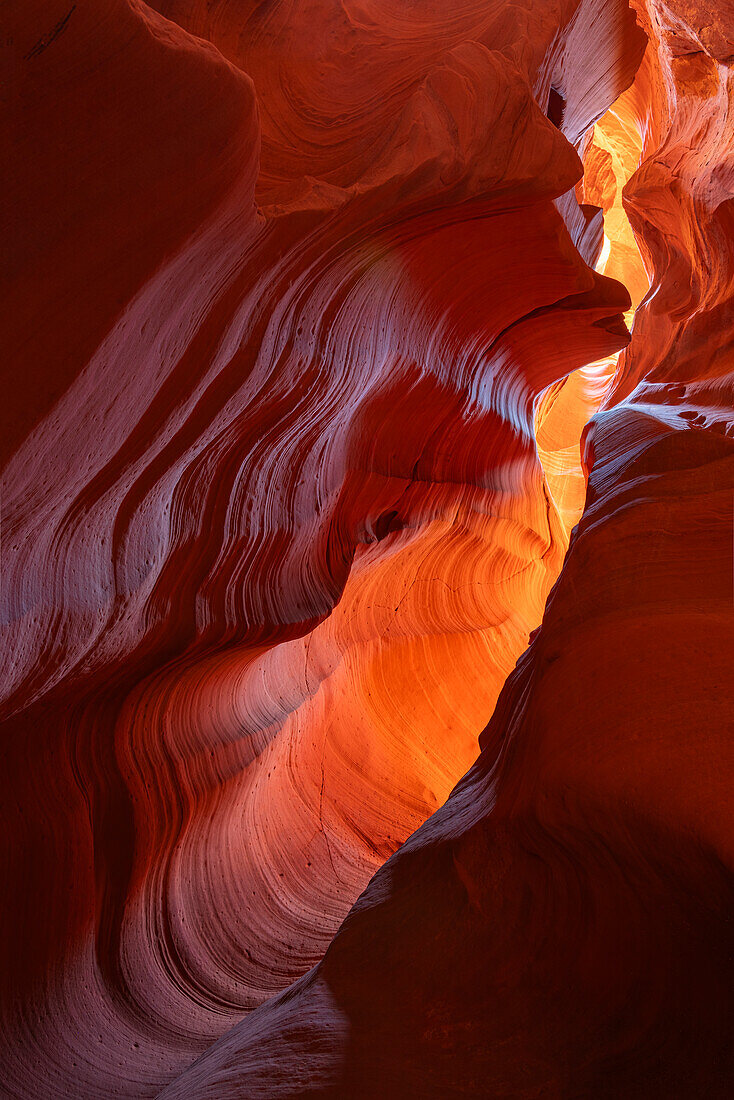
pixel 291 467
pixel 561 925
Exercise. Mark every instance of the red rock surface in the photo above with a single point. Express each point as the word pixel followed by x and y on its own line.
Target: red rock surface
pixel 299 306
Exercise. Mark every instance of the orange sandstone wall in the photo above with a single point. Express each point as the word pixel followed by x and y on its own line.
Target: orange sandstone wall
pixel 562 925
pixel 291 289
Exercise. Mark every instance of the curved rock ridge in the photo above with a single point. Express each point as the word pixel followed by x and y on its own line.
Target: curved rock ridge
pixel 281 310
pixel 562 924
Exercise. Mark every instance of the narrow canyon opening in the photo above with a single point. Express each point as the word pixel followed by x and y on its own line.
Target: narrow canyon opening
pixel 611 153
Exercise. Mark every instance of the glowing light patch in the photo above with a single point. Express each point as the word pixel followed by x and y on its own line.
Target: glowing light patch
pixel 602 261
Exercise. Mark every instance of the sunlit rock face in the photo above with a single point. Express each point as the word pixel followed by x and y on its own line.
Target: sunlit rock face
pixel 291 464
pixel 562 925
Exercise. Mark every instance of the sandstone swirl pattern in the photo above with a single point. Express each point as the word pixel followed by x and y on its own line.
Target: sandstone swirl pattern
pixel 291 286
pixel 562 925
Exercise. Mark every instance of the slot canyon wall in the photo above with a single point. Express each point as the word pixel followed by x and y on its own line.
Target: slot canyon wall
pixel 318 455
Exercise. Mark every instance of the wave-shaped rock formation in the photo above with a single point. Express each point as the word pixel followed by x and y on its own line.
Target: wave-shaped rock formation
pixel 304 318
